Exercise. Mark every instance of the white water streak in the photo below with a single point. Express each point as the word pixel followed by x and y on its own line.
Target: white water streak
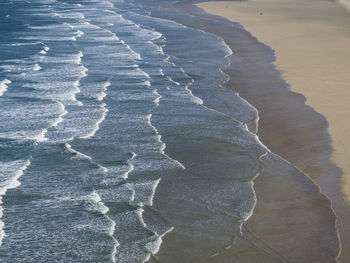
pixel 10 174
pixel 4 86
pixel 80 156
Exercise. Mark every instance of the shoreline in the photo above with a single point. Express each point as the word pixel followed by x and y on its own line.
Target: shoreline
pixel 287 125
pixel 320 83
pixel 311 54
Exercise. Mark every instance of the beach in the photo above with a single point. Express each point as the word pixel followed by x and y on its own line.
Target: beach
pixel 309 42
pixel 122 141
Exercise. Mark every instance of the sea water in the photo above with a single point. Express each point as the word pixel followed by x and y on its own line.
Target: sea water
pixel 105 104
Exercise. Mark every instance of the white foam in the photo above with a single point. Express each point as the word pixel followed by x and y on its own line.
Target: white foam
pixel 4 86
pixel 195 99
pixel 159 48
pixel 78 155
pixel 163 145
pixel 44 50
pixel 173 81
pixel 100 96
pixel 60 117
pixel 111 234
pixel 70 15
pixel 157 99
pixel 79 33
pixel 143 73
pixel 133 193
pixel 36 67
pixel 10 174
pixel 69 25
pixel 139 213
pixel 154 246
pixel 12 171
pixel 95 203
pixel 83 71
pixel 153 191
pixel 85 24
pixel 144 192
pixel 75 92
pixel 110 38
pixel 97 124
pixel 110 11
pixel 37 135
pixel 113 37
pixel 46 27
pixel 130 165
pixel 146 83
pixel 76 84
pixel 137 55
pixel 2 232
pixel 41 136
pixel 23 44
pixel 78 57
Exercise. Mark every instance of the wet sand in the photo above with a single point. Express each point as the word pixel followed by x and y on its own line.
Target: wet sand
pixel 285 215
pixel 287 125
pixel 312 49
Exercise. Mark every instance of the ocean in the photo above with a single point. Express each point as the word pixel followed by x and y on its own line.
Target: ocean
pixel 116 131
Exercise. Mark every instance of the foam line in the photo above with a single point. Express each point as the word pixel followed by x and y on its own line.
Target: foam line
pixel 153 192
pixel 41 136
pixel 97 124
pixel 163 145
pixel 130 165
pixel 77 82
pixel 80 156
pixel 12 171
pixel 158 97
pixel 96 204
pixel 103 94
pixel 154 246
pixel 60 117
pixel 4 86
pixel 139 213
pixel 115 241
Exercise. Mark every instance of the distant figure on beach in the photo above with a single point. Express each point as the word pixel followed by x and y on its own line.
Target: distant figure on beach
pixel 261 13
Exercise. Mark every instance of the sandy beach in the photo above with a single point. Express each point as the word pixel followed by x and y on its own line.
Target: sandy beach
pixel 311 40
pixel 302 114
pixel 151 131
